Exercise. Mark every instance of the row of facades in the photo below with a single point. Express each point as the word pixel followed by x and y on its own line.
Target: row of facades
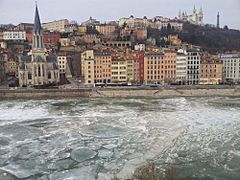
pixel 144 67
pixel 163 67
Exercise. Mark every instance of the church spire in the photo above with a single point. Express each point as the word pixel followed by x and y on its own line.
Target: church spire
pixel 194 10
pixel 37 22
pixel 37 43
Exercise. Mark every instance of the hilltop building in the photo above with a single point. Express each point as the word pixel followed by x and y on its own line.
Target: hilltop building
pixel 195 18
pixel 133 22
pixel 38 69
pixel 59 25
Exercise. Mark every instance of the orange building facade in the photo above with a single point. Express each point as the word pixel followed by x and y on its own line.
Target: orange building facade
pixel 103 66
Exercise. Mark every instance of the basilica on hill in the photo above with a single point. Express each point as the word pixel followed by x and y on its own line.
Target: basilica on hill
pixel 195 18
pixel 38 68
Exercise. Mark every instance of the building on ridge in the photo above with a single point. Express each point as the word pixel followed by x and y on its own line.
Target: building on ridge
pixel 195 18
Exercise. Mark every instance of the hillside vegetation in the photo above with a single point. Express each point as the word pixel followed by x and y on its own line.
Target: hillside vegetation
pixel 214 40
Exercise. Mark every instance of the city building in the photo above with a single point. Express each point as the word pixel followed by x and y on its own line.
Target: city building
pixel 59 25
pixel 87 67
pixel 71 27
pixel 103 66
pixel 82 29
pixel 211 70
pixel 138 58
pixel 169 66
pixel 65 42
pixel 163 22
pixel 117 44
pixel 231 67
pixel 38 69
pixel 62 63
pixel 2 69
pixel 49 37
pixel 28 27
pixel 91 22
pixel 132 22
pixel 195 18
pixel 139 33
pixel 154 66
pixel 193 67
pixel 174 40
pixel 107 30
pixel 14 35
pixel 119 70
pixel 91 38
pixel 140 47
pixel 181 67
pixel 11 66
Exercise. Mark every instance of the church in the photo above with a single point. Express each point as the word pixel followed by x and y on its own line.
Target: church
pixel 38 68
pixel 195 18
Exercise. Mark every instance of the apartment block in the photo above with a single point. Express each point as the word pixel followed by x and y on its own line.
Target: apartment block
pixel 193 67
pixel 211 70
pixel 103 66
pixel 14 35
pixel 87 67
pixel 231 67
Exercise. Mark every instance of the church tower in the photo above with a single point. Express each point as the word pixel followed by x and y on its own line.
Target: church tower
pixel 218 24
pixel 37 43
pixel 38 68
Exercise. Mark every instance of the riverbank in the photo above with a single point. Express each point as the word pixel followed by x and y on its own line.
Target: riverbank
pixel 123 92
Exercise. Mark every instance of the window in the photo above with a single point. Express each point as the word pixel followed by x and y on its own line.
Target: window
pixel 49 75
pixel 29 76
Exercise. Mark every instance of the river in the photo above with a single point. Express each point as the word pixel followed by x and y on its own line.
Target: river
pixel 103 138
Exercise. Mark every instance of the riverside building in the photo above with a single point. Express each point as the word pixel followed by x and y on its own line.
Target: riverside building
pixel 193 67
pixel 38 69
pixel 211 70
pixel 154 68
pixel 231 67
pixel 181 68
pixel 87 67
pixel 103 66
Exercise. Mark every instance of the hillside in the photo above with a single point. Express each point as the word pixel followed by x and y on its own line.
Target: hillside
pixel 210 39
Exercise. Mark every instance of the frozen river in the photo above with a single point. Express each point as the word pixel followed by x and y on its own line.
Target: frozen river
pixel 76 139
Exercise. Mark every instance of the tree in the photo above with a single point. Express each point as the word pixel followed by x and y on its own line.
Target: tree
pixel 225 27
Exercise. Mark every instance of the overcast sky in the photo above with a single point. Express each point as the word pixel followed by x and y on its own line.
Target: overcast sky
pixel 16 11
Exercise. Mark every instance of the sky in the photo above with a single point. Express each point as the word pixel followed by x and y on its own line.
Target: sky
pixel 17 11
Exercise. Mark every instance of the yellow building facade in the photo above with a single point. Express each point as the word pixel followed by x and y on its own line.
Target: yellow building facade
pixel 87 67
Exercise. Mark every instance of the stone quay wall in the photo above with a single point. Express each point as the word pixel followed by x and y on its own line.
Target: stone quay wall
pixel 119 92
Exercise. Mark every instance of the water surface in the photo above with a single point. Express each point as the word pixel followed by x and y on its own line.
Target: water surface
pixel 104 138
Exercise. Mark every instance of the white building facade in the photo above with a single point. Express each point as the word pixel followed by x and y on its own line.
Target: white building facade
pixel 181 68
pixel 59 25
pixel 14 35
pixel 193 67
pixel 195 18
pixel 231 67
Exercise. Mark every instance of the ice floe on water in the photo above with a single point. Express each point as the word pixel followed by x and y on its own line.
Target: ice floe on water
pixel 110 138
